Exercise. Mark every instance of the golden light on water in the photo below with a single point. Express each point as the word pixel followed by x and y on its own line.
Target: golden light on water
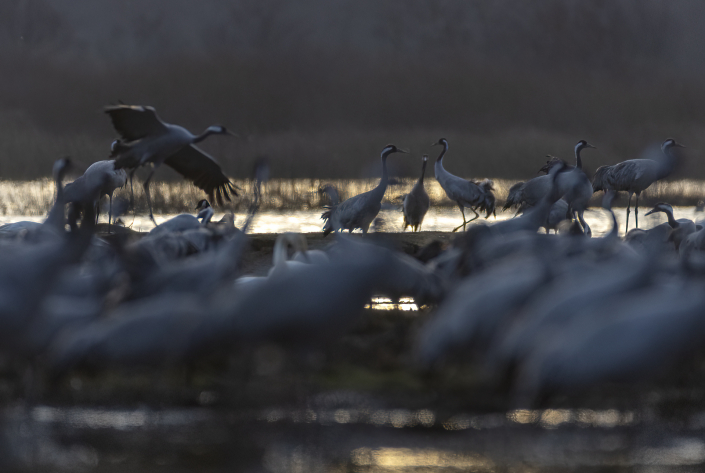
pixel 296 205
pixel 405 304
pixel 396 458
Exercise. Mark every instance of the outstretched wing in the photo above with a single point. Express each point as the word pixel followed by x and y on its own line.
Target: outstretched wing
pixel 134 122
pixel 201 169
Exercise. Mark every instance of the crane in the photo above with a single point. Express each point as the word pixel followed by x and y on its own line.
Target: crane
pixel 575 187
pixel 636 175
pixel 359 211
pixel 101 178
pixel 416 202
pixel 53 226
pixel 146 139
pixel 680 228
pixel 473 195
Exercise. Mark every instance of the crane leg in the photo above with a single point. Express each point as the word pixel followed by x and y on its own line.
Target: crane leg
pixel 110 211
pixel 629 203
pixel 462 210
pixel 636 210
pixel 149 198
pixel 477 215
pixel 132 198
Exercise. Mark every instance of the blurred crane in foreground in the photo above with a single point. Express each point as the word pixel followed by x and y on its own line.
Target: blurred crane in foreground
pixel 146 139
pixel 53 226
pixel 680 228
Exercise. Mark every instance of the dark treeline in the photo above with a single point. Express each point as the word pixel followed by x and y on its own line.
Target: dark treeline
pixel 320 86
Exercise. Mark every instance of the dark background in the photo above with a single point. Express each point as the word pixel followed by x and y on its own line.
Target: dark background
pixel 320 86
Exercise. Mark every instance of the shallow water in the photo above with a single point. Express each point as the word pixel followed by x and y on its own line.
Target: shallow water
pixel 341 431
pixel 296 204
pixel 438 219
pixel 326 437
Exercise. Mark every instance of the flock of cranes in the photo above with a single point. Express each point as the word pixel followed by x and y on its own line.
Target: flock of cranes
pixel 147 140
pixel 542 313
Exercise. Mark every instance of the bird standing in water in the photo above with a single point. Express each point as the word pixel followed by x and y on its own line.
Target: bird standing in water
pixel 472 195
pixel 359 211
pixel 416 202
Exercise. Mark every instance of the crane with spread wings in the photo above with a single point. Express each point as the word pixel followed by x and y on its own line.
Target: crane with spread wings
pixel 146 139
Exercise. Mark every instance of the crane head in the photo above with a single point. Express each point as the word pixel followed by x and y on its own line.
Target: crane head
pixel 584 144
pixel 670 143
pixel 425 158
pixel 202 204
pixel 441 142
pixel 660 207
pixel 220 130
pixel 389 149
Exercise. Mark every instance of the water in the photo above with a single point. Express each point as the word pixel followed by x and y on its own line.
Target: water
pixel 335 429
pixel 438 219
pixel 280 439
pixel 296 205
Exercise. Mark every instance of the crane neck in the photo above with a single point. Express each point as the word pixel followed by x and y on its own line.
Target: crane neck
pixel 385 176
pixel 586 228
pixel 57 215
pixel 670 163
pixel 198 138
pixel 206 215
pixel 614 232
pixel 384 181
pixel 423 172
pixel 578 159
pixel 672 222
pixel 443 152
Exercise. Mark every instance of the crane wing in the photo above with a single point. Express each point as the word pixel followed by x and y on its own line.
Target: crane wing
pixel 201 169
pixel 134 122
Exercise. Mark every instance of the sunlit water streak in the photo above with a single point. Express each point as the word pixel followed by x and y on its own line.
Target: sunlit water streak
pixel 296 204
pixel 441 219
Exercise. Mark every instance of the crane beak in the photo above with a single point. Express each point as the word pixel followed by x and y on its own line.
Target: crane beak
pixel 399 150
pixel 435 144
pixel 678 145
pixel 590 146
pixel 649 212
pixel 232 134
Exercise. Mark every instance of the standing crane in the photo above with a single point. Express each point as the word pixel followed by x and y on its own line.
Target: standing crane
pixel 576 189
pixel 473 195
pixel 359 211
pixel 146 139
pixel 416 202
pixel 635 175
pixel 101 178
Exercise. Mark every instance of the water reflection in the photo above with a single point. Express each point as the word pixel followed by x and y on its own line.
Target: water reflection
pixel 347 438
pixel 398 458
pixel 126 419
pixel 296 205
pixel 405 304
pixel 440 219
